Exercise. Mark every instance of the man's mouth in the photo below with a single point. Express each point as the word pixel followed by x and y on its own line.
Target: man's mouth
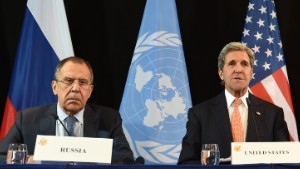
pixel 73 99
pixel 238 78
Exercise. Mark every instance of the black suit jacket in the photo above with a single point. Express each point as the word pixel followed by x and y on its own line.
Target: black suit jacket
pixel 209 122
pixel 99 121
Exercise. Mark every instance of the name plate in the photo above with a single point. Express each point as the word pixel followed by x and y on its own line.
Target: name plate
pixel 265 152
pixel 73 149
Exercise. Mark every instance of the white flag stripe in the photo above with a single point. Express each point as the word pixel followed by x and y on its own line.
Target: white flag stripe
pixel 285 73
pixel 62 46
pixel 289 114
pixel 275 93
pixel 278 99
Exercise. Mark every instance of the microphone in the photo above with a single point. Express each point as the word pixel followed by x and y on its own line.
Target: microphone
pixel 253 118
pixel 57 118
pixel 139 160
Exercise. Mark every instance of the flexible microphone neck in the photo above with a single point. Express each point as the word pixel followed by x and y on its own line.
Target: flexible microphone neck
pixel 65 128
pixel 253 118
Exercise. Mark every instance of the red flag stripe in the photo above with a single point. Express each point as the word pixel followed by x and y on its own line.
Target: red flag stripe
pixel 9 116
pixel 274 92
pixel 284 86
pixel 259 90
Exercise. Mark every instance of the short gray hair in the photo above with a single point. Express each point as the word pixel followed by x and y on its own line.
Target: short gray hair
pixel 235 46
pixel 74 60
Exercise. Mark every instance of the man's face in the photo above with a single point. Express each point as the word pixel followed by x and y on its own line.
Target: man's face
pixel 237 72
pixel 73 87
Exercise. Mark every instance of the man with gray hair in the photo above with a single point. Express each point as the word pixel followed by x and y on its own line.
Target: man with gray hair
pixel 73 85
pixel 234 115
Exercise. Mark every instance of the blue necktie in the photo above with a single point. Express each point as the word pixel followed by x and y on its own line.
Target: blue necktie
pixel 70 124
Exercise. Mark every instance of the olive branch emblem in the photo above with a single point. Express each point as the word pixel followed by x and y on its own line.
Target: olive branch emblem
pixel 160 38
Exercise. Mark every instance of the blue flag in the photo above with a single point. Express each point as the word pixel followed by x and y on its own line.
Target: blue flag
pixel 270 79
pixel 157 95
pixel 44 40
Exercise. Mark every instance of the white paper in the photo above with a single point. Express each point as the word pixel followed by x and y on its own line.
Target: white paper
pixel 73 149
pixel 265 152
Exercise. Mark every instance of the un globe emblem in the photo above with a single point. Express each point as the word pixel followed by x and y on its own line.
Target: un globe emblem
pixel 156 100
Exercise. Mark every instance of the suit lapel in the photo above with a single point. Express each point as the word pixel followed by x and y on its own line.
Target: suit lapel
pixel 222 116
pixel 47 124
pixel 253 119
pixel 90 123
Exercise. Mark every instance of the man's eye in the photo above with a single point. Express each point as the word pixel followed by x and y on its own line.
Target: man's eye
pixel 83 82
pixel 245 63
pixel 69 81
pixel 231 63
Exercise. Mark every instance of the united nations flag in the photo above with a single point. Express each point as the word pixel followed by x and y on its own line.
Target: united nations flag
pixel 157 95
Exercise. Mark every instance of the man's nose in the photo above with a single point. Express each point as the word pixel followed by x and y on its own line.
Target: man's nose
pixel 238 68
pixel 75 86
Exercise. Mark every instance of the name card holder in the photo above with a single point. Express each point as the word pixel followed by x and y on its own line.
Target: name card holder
pixel 265 152
pixel 73 149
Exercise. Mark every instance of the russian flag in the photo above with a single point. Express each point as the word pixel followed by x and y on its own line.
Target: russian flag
pixel 44 41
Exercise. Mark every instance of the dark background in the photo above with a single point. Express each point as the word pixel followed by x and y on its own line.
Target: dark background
pixel 105 32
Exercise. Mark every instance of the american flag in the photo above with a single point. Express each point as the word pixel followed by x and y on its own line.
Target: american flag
pixel 270 79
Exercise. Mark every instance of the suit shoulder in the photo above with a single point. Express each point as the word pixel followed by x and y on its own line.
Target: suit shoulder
pixel 101 109
pixel 266 103
pixel 208 103
pixel 41 109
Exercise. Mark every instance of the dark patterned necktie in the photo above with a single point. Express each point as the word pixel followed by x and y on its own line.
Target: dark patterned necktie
pixel 70 124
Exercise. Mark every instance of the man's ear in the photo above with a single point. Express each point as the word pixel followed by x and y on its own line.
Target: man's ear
pixel 54 85
pixel 220 74
pixel 92 88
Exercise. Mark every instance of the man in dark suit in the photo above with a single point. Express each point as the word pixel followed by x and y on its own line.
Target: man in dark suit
pixel 210 121
pixel 73 84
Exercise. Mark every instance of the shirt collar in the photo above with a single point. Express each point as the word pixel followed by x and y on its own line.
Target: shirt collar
pixel 62 115
pixel 230 98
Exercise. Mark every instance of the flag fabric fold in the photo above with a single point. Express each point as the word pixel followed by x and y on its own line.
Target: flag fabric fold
pixel 270 79
pixel 44 40
pixel 157 95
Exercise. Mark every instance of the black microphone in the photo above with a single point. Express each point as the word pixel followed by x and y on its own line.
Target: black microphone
pixel 57 118
pixel 253 118
pixel 139 160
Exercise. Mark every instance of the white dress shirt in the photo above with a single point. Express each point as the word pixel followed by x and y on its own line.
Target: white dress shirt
pixel 78 129
pixel 243 108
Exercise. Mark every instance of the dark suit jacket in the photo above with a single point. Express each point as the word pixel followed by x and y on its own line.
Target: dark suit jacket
pixel 209 122
pixel 99 122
